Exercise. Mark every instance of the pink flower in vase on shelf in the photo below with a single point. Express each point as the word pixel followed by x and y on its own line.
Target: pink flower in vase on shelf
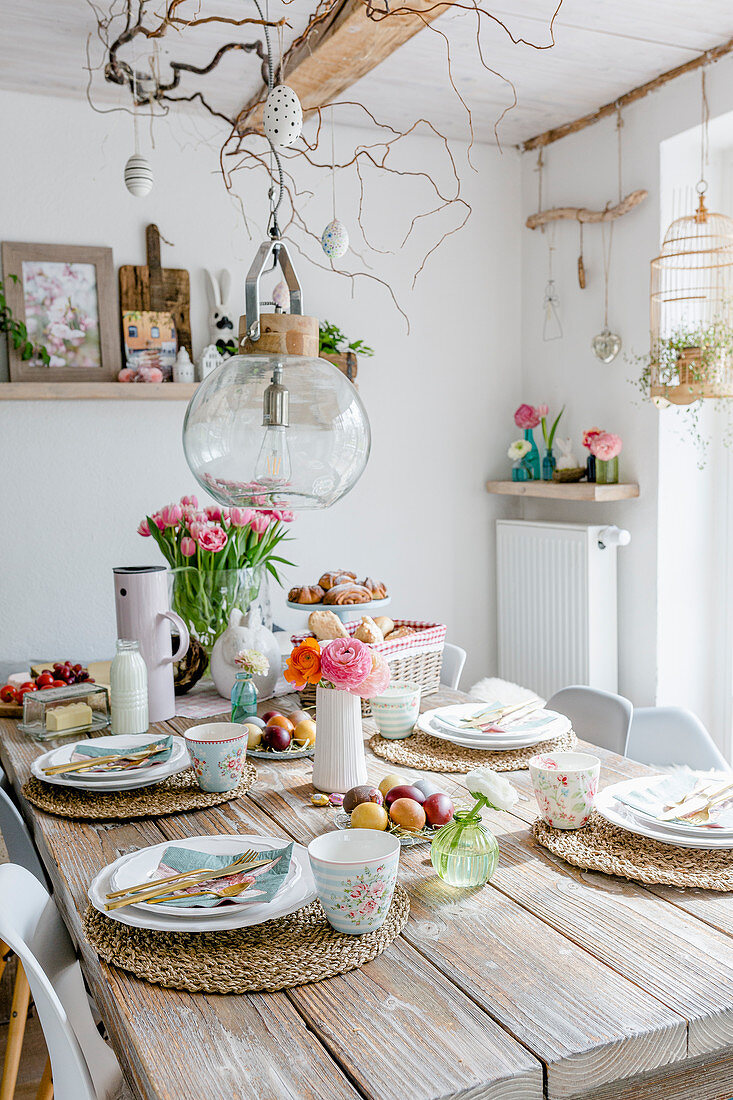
pixel 188 547
pixel 606 446
pixel 213 539
pixel 346 663
pixel 526 417
pixel 590 434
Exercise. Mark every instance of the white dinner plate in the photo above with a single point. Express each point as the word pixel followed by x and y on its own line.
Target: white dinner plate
pixel 118 743
pixel 144 778
pixel 677 828
pixel 220 919
pixel 452 717
pixel 143 867
pixel 495 742
pixel 623 816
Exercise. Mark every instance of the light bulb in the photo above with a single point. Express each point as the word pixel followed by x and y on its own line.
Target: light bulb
pixel 273 462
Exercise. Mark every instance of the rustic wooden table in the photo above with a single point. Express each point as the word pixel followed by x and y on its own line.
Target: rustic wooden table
pixel 549 982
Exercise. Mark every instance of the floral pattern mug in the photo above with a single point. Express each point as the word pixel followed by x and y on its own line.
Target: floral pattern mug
pixel 565 786
pixel 355 873
pixel 218 751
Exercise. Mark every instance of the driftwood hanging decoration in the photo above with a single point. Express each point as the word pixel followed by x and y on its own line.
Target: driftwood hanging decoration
pixel 582 214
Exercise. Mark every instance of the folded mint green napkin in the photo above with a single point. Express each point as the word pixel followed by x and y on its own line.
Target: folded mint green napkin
pixel 88 749
pixel 266 881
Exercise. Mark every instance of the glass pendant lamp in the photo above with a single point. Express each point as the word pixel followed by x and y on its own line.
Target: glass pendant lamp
pixel 276 426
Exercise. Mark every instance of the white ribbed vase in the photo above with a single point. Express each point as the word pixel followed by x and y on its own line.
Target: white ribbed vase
pixel 339 763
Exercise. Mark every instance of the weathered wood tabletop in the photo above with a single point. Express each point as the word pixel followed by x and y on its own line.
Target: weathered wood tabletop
pixel 548 982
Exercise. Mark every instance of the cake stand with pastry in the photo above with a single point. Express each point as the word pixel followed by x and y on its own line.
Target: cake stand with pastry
pixel 340 592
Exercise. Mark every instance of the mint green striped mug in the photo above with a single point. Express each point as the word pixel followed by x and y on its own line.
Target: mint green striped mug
pixel 395 711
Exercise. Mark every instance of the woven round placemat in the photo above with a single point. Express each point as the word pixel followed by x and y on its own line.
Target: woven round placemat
pixel 601 846
pixel 420 750
pixel 173 795
pixel 288 951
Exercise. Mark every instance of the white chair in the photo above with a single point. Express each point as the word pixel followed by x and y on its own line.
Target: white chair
pixel 83 1066
pixel 664 736
pixel 596 716
pixel 454 658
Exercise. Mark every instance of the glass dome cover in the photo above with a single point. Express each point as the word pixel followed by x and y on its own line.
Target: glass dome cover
pixel 310 462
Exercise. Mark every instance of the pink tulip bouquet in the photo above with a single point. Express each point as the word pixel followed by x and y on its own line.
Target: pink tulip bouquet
pixel 218 557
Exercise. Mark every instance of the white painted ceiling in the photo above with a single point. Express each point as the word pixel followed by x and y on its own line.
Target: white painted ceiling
pixel 602 49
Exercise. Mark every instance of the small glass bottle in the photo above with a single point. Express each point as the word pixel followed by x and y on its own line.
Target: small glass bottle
pixel 520 471
pixel 590 468
pixel 532 457
pixel 607 472
pixel 464 852
pixel 548 465
pixel 244 698
pixel 128 682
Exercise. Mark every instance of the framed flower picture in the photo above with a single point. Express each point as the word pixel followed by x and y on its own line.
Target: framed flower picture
pixel 66 295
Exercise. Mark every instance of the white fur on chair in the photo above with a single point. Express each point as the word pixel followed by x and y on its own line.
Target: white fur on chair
pixel 491 689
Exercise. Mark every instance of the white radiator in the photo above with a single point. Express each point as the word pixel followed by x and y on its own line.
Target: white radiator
pixel 557 616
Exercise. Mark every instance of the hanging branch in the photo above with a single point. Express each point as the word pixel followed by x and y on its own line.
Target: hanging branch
pixel 582 214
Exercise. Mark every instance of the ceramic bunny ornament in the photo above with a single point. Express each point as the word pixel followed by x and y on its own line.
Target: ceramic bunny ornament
pixel 221 311
pixel 567 459
pixel 244 632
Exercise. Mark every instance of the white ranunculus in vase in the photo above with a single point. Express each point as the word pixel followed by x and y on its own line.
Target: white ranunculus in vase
pixel 487 784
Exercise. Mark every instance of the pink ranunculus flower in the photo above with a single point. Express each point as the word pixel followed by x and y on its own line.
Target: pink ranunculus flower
pixel 240 517
pixel 143 529
pixel 346 663
pixel 212 511
pixel 589 435
pixel 211 538
pixel 260 522
pixel 606 446
pixel 188 547
pixel 171 515
pixel 542 411
pixel 526 417
pixel 377 680
pixel 190 501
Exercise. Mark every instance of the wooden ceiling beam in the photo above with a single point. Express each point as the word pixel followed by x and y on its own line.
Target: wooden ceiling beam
pixel 340 50
pixel 558 132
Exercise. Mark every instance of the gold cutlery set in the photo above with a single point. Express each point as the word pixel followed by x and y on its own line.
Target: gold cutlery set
pixel 174 887
pixel 492 715
pixel 694 807
pixel 131 758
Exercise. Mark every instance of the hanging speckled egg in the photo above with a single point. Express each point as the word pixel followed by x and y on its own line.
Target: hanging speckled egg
pixel 335 240
pixel 281 296
pixel 138 176
pixel 283 116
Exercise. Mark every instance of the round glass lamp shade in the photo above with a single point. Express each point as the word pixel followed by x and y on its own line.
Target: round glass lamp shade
pixel 311 461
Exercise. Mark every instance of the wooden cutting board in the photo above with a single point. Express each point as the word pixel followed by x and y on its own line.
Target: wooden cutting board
pixel 153 287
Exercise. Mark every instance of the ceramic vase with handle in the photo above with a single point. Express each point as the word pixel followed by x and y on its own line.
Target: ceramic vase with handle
pixel 339 763
pixel 144 616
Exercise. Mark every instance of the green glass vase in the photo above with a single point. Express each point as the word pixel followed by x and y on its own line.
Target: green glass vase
pixel 464 852
pixel 244 698
pixel 607 472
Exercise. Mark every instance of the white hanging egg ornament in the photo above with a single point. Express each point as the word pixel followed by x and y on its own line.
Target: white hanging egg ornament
pixel 335 240
pixel 281 296
pixel 138 176
pixel 283 116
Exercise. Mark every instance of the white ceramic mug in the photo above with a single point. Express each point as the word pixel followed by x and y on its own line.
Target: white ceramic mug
pixel 218 751
pixel 355 873
pixel 395 711
pixel 565 786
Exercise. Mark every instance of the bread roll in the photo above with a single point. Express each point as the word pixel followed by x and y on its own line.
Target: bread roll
pixel 400 632
pixel 336 576
pixel 368 631
pixel 325 625
pixel 385 624
pixel 377 589
pixel 307 593
pixel 348 594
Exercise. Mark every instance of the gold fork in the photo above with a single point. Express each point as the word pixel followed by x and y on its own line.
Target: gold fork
pixel 246 857
pixel 95 761
pixel 226 892
pixel 207 876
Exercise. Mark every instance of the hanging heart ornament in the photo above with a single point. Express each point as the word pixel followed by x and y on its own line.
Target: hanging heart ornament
pixel 282 119
pixel 606 345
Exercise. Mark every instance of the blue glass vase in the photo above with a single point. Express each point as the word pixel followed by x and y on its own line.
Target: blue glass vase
pixel 590 468
pixel 244 698
pixel 520 471
pixel 548 465
pixel 532 458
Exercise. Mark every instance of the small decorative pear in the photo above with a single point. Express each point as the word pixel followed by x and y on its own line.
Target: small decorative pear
pixel 138 176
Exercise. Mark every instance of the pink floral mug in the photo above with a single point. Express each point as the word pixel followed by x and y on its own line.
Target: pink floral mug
pixel 217 750
pixel 355 872
pixel 565 786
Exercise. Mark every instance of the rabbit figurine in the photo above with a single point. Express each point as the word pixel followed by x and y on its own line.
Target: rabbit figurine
pixel 567 460
pixel 244 632
pixel 221 324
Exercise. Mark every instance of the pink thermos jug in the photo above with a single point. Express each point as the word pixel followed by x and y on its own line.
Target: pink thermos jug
pixel 144 616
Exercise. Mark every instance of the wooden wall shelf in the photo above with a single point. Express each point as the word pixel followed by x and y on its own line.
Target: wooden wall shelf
pixel 97 391
pixel 565 490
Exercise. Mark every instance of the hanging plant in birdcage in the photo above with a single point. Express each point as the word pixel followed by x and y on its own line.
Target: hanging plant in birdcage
pixel 691 355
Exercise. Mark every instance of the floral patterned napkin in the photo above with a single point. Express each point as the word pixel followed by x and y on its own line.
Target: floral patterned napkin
pixel 86 749
pixel 265 881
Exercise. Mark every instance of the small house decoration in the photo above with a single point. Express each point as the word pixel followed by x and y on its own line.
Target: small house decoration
pixel 183 369
pixel 211 357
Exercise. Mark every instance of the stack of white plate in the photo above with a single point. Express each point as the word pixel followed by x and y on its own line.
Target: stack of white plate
pixel 449 724
pixel 611 804
pixel 297 890
pixel 143 775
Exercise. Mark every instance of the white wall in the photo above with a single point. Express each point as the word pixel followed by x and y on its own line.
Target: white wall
pixel 79 475
pixel 582 170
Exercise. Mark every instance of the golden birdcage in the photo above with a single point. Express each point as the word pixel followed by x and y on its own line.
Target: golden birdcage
pixel 692 309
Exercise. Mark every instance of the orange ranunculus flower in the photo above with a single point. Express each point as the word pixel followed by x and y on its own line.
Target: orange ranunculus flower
pixel 304 664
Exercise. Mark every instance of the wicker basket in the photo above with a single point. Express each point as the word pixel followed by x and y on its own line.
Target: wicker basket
pixel 418 658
